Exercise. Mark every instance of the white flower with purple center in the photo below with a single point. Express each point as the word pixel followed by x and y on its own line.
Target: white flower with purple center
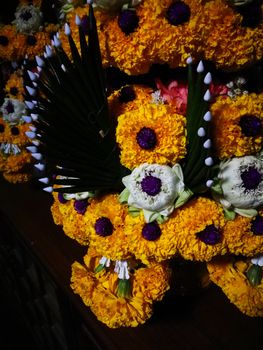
pixel 241 182
pixel 28 19
pixel 13 110
pixel 155 189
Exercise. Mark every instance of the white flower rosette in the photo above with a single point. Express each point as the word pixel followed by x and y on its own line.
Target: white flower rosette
pixel 240 187
pixel 13 110
pixel 158 206
pixel 28 19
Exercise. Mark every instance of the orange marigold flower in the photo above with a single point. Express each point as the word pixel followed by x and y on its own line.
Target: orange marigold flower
pixel 118 105
pixel 229 273
pixel 73 224
pixel 99 291
pixel 14 87
pixel 167 131
pixel 230 137
pixel 15 163
pixel 159 249
pixel 104 224
pixel 200 236
pixel 241 239
pixel 226 42
pixel 8 36
pixel 17 177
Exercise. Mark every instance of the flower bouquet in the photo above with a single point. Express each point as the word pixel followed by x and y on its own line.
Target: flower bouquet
pixel 143 175
pixel 24 37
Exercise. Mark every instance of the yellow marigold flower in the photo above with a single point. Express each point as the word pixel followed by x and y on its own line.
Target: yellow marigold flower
pixel 104 223
pixel 155 40
pixel 18 137
pixel 118 312
pixel 56 214
pixel 160 249
pixel 7 39
pixel 241 239
pixel 168 133
pixel 226 42
pixel 51 29
pixel 130 52
pixel 152 282
pixel 117 105
pixel 99 291
pixel 17 177
pixel 229 137
pixel 82 282
pixel 199 234
pixel 174 43
pixel 4 130
pixel 230 275
pixel 72 222
pixel 14 87
pixel 34 44
pixel 15 163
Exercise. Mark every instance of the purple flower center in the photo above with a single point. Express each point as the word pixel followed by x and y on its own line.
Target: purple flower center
pixel 14 91
pixel 151 185
pixel 103 227
pixel 14 130
pixel 210 235
pixel 251 178
pixel 31 40
pixel 250 125
pixel 146 138
pixel 26 15
pixel 61 198
pixel 3 40
pixel 127 94
pixel 51 34
pixel 80 205
pixel 2 128
pixel 257 225
pixel 178 13
pixel 151 231
pixel 128 21
pixel 85 24
pixel 10 107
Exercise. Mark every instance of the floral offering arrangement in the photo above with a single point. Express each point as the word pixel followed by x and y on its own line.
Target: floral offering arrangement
pixel 25 37
pixel 145 174
pixel 15 159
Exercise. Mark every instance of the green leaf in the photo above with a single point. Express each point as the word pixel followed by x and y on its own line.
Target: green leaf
pixel 124 288
pixel 99 268
pixel 254 275
pixel 229 214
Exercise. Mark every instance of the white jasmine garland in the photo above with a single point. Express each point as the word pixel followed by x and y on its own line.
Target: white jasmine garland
pixel 28 19
pixel 171 192
pixel 235 195
pixel 12 111
pixel 258 260
pixel 157 98
pixel 9 149
pixel 78 195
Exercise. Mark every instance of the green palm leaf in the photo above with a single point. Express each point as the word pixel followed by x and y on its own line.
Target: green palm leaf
pixel 75 132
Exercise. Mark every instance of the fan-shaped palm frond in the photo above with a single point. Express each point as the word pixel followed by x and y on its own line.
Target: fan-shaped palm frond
pixel 198 165
pixel 75 134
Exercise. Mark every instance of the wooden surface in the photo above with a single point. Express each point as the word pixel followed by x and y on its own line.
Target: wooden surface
pixel 204 321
